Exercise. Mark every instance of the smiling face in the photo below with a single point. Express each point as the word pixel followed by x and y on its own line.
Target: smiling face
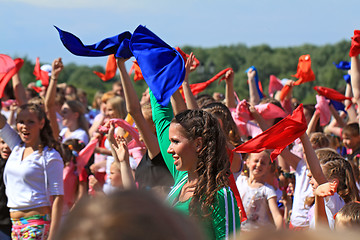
pixel 109 110
pixel 29 127
pixel 351 141
pixel 258 164
pixel 4 149
pixel 183 150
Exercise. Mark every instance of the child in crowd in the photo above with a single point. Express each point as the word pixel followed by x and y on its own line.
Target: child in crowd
pixel 258 197
pixel 348 217
pixel 351 140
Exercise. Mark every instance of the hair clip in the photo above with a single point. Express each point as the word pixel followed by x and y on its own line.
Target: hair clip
pixel 75 153
pixel 70 147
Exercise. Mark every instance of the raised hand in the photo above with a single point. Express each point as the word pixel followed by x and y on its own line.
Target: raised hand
pixel 189 67
pixel 229 76
pixel 57 67
pixel 251 74
pixel 121 149
pixel 111 132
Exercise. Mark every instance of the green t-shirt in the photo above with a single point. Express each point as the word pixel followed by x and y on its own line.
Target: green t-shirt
pixel 225 220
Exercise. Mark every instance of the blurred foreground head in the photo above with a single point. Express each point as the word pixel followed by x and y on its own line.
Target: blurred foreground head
pixel 126 215
pixel 318 234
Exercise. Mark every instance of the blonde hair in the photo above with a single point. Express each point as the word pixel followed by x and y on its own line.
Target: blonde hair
pixel 119 106
pixel 106 96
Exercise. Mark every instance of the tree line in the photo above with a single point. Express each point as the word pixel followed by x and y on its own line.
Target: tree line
pixel 281 62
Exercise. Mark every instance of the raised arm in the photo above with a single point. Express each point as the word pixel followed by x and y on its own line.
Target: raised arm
pixel 254 95
pixel 134 109
pixel 57 67
pixel 313 121
pixel 189 97
pixel 162 117
pixel 19 90
pixel 121 155
pixel 340 121
pixel 323 190
pixel 351 110
pixel 355 78
pixel 178 103
pixel 229 89
pixel 312 160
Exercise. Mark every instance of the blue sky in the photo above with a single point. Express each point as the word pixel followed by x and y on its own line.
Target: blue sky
pixel 26 26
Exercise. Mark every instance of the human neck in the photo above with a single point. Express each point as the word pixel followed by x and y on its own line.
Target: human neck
pixel 73 126
pixel 255 179
pixel 192 177
pixel 33 146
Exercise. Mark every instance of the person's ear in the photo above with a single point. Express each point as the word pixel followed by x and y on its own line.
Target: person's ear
pixel 42 123
pixel 198 144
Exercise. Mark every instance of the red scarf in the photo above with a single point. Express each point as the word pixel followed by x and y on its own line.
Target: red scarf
pixel 40 74
pixel 355 44
pixel 279 136
pixel 304 74
pixel 110 70
pixel 197 88
pixel 8 68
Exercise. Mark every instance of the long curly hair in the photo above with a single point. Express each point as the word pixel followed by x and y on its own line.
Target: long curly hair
pixel 213 166
pixel 46 135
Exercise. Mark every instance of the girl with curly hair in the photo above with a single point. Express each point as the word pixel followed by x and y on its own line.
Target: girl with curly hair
pixel 194 149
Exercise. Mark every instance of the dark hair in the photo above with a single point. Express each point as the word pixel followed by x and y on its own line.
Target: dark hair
pixel 46 135
pixel 351 129
pixel 213 167
pixel 70 149
pixel 204 99
pixel 222 112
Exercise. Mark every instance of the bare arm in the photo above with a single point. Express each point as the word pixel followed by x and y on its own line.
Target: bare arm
pixel 95 126
pixel 57 67
pixel 259 119
pixel 351 110
pixel 122 157
pixel 275 212
pixel 254 95
pixel 189 97
pixel 313 121
pixel 177 103
pixel 19 90
pixel 134 109
pixel 339 120
pixel 355 78
pixel 333 128
pixel 56 213
pixel 322 191
pixel 229 90
pixel 312 160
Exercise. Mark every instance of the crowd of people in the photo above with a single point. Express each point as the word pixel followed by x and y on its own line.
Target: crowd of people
pixel 130 168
